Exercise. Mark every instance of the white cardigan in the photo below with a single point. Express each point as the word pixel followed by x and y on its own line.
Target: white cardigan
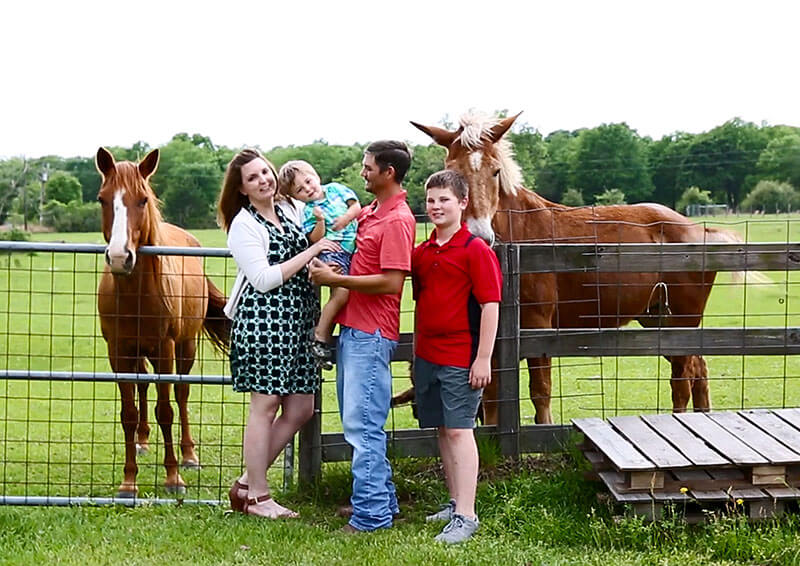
pixel 248 242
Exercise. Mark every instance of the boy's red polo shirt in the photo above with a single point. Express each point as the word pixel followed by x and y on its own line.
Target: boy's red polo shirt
pixel 443 278
pixel 384 240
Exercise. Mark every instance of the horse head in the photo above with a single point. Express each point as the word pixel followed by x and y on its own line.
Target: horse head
pixel 129 208
pixel 478 151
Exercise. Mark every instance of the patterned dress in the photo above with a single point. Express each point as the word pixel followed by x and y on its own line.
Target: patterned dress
pixel 270 338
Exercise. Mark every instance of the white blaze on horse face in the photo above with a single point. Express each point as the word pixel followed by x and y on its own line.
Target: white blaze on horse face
pixel 475 160
pixel 117 250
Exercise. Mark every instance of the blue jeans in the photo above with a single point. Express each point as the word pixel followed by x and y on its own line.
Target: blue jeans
pixel 364 388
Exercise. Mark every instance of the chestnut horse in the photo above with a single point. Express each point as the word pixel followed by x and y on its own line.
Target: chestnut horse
pixel 151 308
pixel 500 206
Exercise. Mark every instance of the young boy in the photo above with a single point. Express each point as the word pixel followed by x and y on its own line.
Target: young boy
pixel 330 212
pixel 457 286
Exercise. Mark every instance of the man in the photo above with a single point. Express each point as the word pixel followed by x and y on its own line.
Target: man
pixel 370 328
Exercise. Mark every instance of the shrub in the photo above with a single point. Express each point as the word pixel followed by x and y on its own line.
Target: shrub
pixel 610 196
pixel 772 196
pixel 572 197
pixel 693 195
pixel 72 217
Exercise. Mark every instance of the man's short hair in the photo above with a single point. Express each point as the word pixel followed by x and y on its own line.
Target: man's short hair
pixel 391 152
pixel 450 179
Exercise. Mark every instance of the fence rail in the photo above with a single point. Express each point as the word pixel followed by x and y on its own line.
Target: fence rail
pixel 513 343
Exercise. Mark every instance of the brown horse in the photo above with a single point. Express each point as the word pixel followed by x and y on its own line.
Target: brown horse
pixel 151 308
pixel 499 205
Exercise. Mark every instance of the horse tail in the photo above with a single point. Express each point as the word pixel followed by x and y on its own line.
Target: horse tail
pixel 727 236
pixel 216 325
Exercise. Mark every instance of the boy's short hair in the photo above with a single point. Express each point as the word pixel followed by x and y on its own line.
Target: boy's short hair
pixel 449 179
pixel 391 152
pixel 288 171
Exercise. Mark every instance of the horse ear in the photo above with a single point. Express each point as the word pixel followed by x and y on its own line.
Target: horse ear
pixel 149 164
pixel 502 127
pixel 439 135
pixel 104 161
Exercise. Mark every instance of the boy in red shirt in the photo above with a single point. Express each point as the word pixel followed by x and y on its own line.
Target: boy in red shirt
pixel 457 287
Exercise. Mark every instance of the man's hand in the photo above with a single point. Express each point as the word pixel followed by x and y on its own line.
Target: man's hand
pixel 321 273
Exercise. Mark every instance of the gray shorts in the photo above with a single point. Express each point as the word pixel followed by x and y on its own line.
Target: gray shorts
pixel 342 259
pixel 444 396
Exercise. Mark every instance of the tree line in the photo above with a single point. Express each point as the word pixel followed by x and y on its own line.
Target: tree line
pixel 740 164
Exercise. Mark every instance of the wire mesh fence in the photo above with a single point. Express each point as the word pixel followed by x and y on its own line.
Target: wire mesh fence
pixel 60 426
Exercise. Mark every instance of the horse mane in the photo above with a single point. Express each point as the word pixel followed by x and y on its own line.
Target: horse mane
pixel 166 268
pixel 476 131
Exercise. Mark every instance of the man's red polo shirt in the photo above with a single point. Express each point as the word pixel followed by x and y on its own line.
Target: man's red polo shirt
pixel 443 278
pixel 384 241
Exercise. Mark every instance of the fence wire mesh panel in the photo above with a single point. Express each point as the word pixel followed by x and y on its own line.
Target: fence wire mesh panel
pixel 60 429
pixel 61 440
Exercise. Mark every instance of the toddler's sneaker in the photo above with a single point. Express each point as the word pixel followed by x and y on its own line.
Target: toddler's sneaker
pixel 323 353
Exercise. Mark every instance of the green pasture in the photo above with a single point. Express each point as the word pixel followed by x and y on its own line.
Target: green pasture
pixel 64 438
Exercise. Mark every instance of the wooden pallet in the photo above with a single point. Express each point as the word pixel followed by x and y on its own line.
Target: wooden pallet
pixel 746 460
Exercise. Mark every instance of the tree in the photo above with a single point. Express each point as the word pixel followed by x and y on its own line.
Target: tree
pixel 553 177
pixel 188 180
pixel 427 159
pixel 610 196
pixel 780 160
pixel 63 187
pixel 14 173
pixel 530 152
pixel 572 197
pixel 327 160
pixel 612 156
pixel 772 196
pixel 666 159
pixel 722 159
pixel 693 195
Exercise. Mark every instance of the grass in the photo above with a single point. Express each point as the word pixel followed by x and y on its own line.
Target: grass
pixel 538 511
pixel 64 439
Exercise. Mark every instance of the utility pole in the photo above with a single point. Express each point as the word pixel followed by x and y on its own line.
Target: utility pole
pixel 43 177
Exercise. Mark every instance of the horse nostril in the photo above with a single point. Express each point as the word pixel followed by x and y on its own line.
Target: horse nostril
pixel 129 261
pixel 108 257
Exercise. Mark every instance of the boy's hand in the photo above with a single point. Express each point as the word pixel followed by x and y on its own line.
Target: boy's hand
pixel 317 212
pixel 480 374
pixel 339 223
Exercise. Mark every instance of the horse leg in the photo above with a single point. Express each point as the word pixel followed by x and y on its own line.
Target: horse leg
pixel 540 388
pixel 143 429
pixel 184 360
pixel 489 401
pixel 701 396
pixel 681 381
pixel 128 417
pixel 163 364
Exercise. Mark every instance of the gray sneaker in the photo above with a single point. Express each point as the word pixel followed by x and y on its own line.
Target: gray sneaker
pixel 444 514
pixel 459 529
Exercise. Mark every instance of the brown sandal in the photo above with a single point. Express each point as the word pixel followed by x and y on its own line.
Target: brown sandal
pixel 237 501
pixel 279 513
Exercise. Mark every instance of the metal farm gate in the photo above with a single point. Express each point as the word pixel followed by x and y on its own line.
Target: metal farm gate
pixel 61 441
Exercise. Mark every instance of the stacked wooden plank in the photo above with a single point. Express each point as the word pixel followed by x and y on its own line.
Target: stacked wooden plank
pixel 748 460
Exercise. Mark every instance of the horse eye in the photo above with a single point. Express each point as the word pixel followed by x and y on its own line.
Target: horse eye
pixel 496 173
pixel 143 202
pixel 100 200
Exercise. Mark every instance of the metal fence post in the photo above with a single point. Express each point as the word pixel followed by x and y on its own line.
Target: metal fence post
pixel 507 353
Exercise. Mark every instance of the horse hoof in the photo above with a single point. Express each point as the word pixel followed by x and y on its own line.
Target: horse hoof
pixel 191 465
pixel 141 449
pixel 175 489
pixel 126 494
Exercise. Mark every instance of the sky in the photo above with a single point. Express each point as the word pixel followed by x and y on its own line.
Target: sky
pixel 80 74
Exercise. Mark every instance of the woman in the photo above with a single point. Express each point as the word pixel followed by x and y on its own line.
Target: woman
pixel 274 309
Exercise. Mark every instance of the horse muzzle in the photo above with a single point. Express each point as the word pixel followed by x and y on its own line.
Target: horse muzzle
pixel 120 263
